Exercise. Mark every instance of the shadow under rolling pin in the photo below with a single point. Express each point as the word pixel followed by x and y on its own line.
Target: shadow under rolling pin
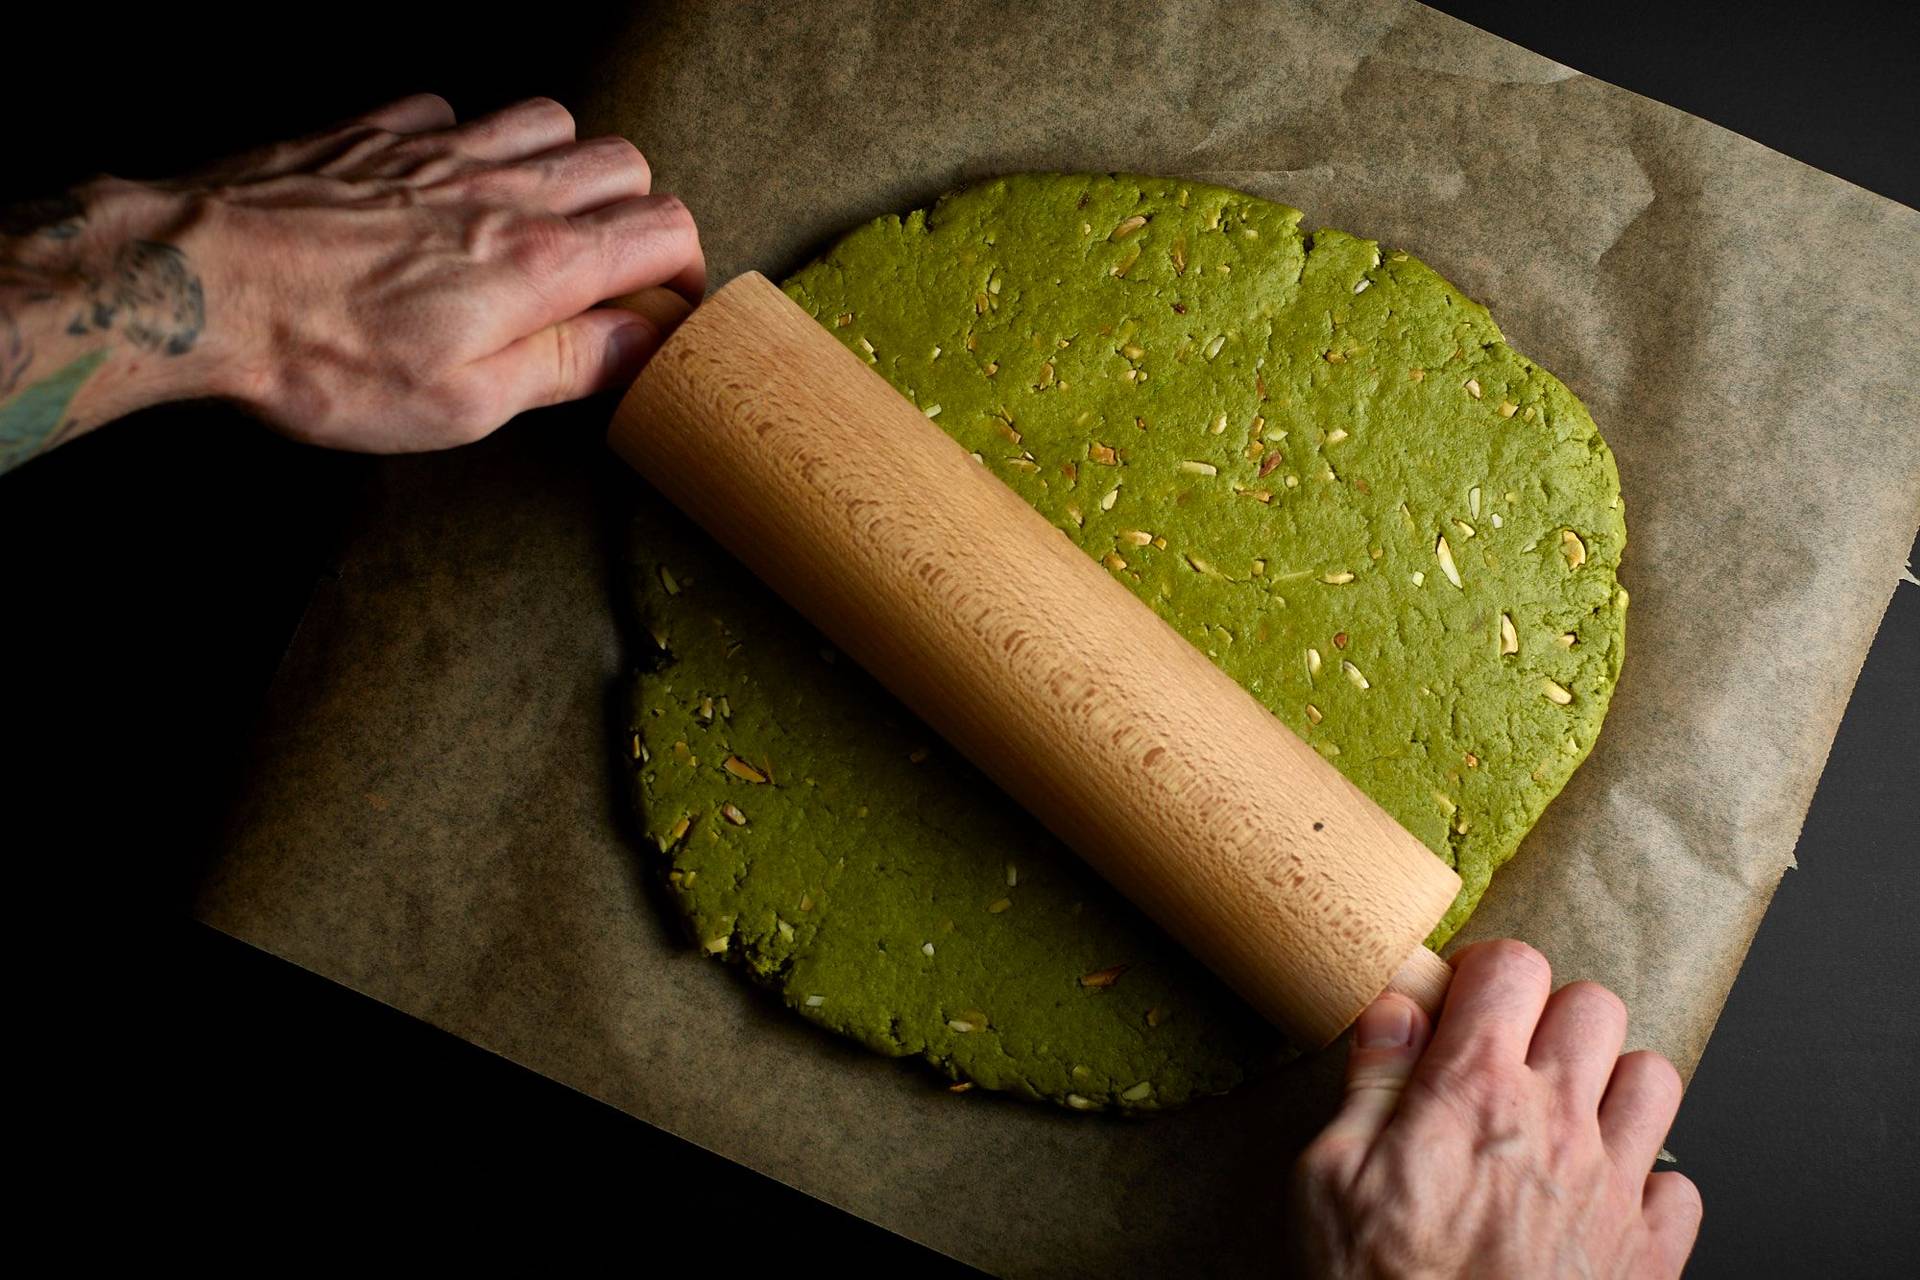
pixel 1046 672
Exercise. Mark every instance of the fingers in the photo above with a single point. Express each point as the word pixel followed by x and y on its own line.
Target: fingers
pixel 367 143
pixel 1671 1208
pixel 645 242
pixel 1499 989
pixel 550 268
pixel 1577 1042
pixel 418 113
pixel 662 306
pixel 523 129
pixel 1638 1109
pixel 599 350
pixel 362 140
pixel 1387 1040
pixel 584 176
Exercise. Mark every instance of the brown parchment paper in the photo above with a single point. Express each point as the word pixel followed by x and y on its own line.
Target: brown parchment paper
pixel 434 818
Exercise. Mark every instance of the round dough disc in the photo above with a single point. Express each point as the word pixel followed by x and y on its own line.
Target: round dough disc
pixel 1314 457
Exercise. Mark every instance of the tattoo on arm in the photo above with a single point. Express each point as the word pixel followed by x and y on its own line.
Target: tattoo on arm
pixel 153 296
pixel 15 354
pixel 31 421
pixel 146 291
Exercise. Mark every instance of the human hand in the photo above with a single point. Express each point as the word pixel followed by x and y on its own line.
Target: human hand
pixel 1512 1139
pixel 399 283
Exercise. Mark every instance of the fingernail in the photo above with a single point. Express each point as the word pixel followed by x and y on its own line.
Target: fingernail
pixel 1384 1024
pixel 630 341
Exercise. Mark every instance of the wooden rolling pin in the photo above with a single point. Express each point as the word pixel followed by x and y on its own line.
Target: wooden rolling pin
pixel 1047 673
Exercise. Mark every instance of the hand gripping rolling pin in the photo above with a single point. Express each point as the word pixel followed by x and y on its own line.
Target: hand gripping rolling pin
pixel 1014 644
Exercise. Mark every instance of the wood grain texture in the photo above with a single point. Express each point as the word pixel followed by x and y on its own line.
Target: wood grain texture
pixel 1156 767
pixel 1423 978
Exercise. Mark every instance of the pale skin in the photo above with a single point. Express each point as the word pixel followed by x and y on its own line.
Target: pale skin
pixel 401 282
pixel 1509 1139
pixel 407 281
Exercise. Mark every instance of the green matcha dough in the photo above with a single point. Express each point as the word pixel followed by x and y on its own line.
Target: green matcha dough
pixel 1315 458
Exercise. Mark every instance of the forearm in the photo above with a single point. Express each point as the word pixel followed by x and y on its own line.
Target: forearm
pixel 102 311
pixel 400 282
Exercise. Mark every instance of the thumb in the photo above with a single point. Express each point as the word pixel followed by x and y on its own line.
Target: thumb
pixel 1387 1041
pixel 599 350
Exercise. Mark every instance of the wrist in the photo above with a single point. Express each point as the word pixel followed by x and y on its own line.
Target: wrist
pixel 138 266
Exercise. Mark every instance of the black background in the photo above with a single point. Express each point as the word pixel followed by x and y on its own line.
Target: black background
pixel 196 1098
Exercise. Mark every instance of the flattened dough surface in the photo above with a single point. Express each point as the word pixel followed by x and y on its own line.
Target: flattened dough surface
pixel 1313 456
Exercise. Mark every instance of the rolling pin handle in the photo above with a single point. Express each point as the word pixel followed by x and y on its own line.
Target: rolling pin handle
pixel 1423 978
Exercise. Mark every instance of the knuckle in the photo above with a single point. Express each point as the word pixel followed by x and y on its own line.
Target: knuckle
pixel 1575 1151
pixel 541 113
pixel 669 229
pixel 1484 1061
pixel 616 146
pixel 1601 998
pixel 541 245
pixel 619 155
pixel 548 108
pixel 493 234
pixel 624 151
pixel 1456 1084
pixel 1677 1186
pixel 1685 1194
pixel 1654 1074
pixel 672 210
pixel 1329 1158
pixel 502 184
pixel 1473 1085
pixel 487 230
pixel 433 102
pixel 1511 953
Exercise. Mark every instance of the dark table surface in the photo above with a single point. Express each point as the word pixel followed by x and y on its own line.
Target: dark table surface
pixel 223 1105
